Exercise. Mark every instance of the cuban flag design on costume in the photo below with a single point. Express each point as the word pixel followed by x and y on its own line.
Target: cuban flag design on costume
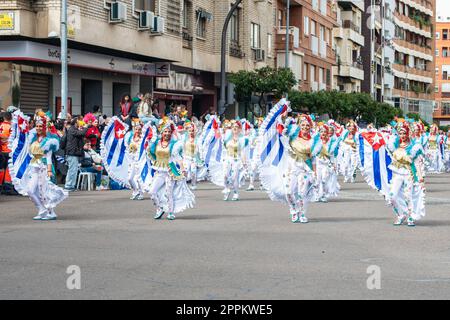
pixel 113 151
pixel 147 172
pixel 19 142
pixel 375 161
pixel 272 157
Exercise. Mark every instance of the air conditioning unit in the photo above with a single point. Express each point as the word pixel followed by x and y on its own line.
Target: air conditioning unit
pixel 118 12
pixel 158 25
pixel 146 20
pixel 259 54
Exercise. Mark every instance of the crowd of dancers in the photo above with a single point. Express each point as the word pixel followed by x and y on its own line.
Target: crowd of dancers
pixel 296 159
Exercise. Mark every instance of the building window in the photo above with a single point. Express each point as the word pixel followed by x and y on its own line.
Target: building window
pixel 186 7
pixel 306 25
pixel 445 34
pixel 234 28
pixel 437 52
pixel 444 75
pixel 269 44
pixel 201 25
pixel 445 52
pixel 255 36
pixel 438 35
pixel 313 27
pixel 280 18
pixel 305 72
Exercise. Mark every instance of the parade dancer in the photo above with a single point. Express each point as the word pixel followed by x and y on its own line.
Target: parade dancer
pixel 447 153
pixel 253 151
pixel 133 140
pixel 194 166
pixel 406 195
pixel 230 173
pixel 169 190
pixel 31 164
pixel 349 149
pixel 326 175
pixel 299 178
pixel 434 160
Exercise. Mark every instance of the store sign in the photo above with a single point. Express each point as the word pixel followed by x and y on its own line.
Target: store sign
pixel 33 51
pixel 175 82
pixel 6 20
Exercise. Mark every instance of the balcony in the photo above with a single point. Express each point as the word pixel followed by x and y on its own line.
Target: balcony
pixel 413 46
pixel 348 24
pixel 354 71
pixel 294 38
pixel 357 3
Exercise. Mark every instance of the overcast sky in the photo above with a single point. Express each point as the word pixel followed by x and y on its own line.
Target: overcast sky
pixel 443 8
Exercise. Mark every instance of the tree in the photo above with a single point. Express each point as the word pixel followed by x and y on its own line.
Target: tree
pixel 261 82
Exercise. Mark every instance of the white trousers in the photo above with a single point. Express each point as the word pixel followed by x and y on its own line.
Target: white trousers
pixel 161 191
pixel 299 182
pixel 134 180
pixel 401 194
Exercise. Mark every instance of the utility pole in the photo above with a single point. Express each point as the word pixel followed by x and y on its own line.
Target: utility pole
pixel 286 56
pixel 64 81
pixel 223 56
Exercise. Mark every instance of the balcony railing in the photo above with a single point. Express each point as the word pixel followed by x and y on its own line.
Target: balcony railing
pixel 348 24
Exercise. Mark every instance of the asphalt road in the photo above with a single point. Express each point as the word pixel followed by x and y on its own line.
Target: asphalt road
pixel 234 250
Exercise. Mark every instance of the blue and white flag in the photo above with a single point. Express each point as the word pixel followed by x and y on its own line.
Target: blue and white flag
pixel 19 144
pixel 113 151
pixel 375 161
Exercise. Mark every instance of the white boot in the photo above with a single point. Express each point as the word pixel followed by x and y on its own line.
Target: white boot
pixel 226 193
pixel 159 213
pixel 235 197
pixel 303 219
pixel 411 222
pixel 399 221
pixel 42 214
pixel 171 216
pixel 251 187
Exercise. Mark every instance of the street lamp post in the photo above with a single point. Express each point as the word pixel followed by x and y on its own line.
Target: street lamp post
pixel 223 56
pixel 64 82
pixel 286 62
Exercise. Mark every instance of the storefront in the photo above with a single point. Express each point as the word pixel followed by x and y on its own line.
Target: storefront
pixel 195 90
pixel 33 69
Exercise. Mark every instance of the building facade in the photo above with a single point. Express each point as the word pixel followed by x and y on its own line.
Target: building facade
pixel 398 57
pixel 311 52
pixel 170 48
pixel 348 73
pixel 442 111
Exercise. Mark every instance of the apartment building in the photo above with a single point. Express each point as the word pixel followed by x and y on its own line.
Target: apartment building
pixel 398 56
pixel 348 74
pixel 168 47
pixel 441 114
pixel 311 52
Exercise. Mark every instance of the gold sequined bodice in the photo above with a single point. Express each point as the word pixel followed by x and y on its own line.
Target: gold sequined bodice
pixel 37 152
pixel 162 156
pixel 133 147
pixel 301 149
pixel 324 153
pixel 432 142
pixel 233 148
pixel 189 148
pixel 350 142
pixel 401 159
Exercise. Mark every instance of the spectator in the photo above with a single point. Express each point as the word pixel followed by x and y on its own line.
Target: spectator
pixel 144 111
pixel 125 107
pixel 93 133
pixel 74 150
pixel 155 110
pixel 5 132
pixel 92 162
